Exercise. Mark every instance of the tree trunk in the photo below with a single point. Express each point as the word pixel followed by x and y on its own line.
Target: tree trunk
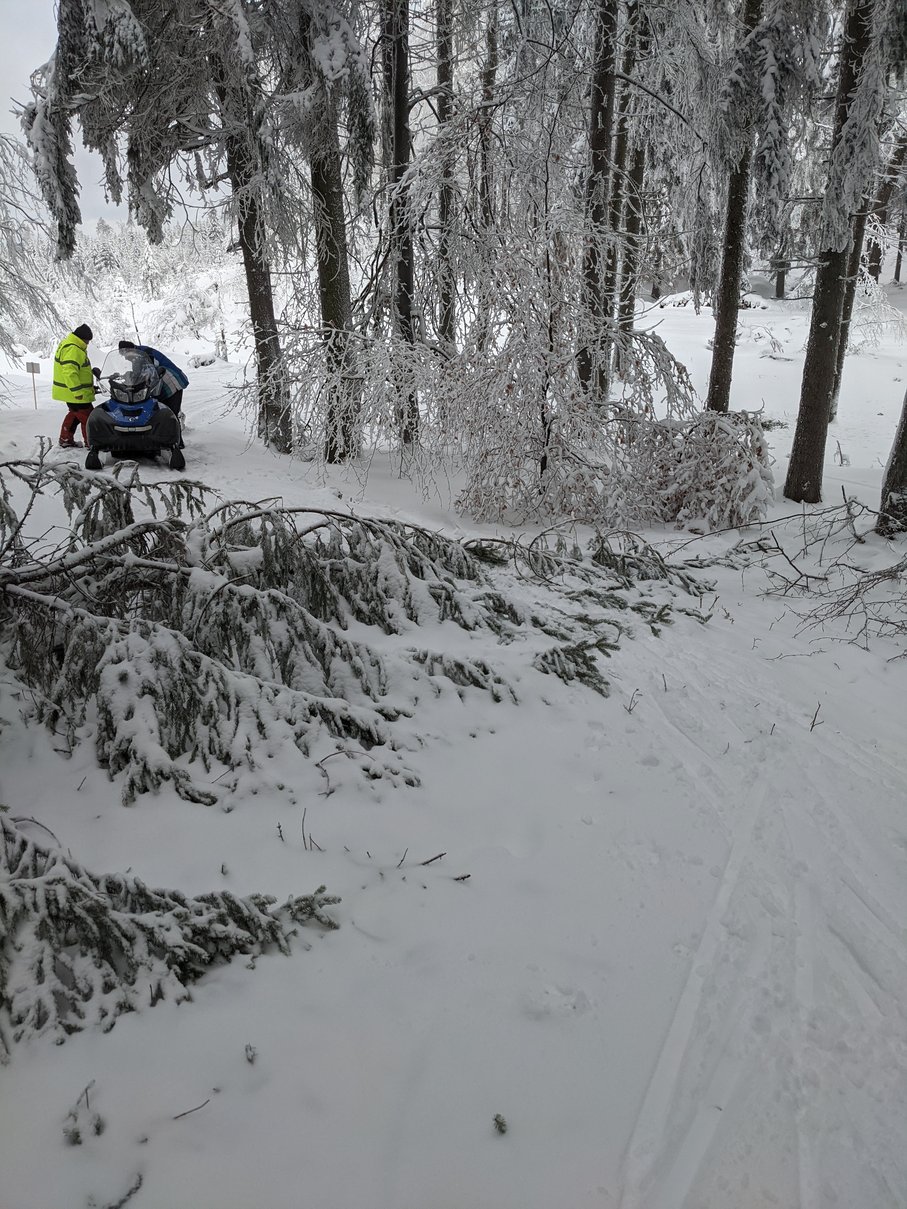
pixel 630 275
pixel 882 202
pixel 633 212
pixel 395 42
pixel 619 182
pixel 592 374
pixel 447 316
pixel 344 399
pixel 344 393
pixel 780 266
pixel 486 180
pixel 273 388
pixel 893 507
pixel 489 84
pixel 850 294
pixel 728 293
pixel 804 472
pixel 902 235
pixel 615 208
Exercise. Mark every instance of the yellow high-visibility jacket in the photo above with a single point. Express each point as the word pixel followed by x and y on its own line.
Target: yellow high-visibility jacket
pixel 73 382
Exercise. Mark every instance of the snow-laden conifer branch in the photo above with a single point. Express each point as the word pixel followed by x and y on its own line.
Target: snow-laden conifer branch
pixel 78 949
pixel 202 637
pixel 854 159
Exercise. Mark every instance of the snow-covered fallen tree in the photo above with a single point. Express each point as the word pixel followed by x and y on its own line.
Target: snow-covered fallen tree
pixel 182 636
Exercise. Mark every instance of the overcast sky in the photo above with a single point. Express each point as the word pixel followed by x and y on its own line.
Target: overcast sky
pixel 30 32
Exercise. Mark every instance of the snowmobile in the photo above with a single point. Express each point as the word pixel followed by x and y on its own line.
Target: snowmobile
pixel 132 422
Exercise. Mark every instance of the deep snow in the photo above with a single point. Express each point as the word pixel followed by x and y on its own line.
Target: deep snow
pixel 678 968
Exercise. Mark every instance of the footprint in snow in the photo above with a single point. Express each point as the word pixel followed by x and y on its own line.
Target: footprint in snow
pixel 555 1001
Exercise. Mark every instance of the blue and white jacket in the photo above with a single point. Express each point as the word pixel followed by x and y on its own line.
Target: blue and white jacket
pixel 172 377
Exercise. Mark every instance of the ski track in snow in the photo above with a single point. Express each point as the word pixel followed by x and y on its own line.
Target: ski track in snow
pixel 793 851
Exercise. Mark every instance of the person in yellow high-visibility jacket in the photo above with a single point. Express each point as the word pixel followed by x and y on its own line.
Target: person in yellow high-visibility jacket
pixel 74 383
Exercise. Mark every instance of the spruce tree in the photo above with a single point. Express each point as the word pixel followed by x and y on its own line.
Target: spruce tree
pixel 861 92
pixel 893 506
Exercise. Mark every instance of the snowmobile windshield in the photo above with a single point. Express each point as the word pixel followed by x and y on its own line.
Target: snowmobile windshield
pixel 130 375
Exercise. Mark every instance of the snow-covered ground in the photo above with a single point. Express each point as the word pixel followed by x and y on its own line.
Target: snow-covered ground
pixel 677 969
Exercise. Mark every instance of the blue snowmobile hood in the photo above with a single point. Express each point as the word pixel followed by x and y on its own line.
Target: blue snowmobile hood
pixel 130 415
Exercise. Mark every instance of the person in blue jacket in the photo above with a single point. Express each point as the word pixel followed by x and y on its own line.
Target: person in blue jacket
pixel 173 380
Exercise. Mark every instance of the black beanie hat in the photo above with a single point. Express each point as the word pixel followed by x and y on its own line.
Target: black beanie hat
pixel 125 344
pixel 84 332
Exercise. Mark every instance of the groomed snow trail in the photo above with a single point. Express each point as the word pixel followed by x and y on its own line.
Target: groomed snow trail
pixel 782 1077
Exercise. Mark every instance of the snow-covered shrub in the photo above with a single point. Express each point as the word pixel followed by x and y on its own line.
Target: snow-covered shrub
pixel 544 448
pixel 874 318
pixel 714 470
pixel 624 467
pixel 79 949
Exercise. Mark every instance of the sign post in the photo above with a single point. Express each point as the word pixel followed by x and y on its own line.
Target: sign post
pixel 33 368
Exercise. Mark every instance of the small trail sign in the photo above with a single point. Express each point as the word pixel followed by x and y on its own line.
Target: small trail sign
pixel 33 368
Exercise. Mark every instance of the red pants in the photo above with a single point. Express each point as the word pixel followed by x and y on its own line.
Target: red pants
pixel 77 415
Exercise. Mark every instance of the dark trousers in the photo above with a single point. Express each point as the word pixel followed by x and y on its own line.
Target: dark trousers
pixel 76 417
pixel 175 402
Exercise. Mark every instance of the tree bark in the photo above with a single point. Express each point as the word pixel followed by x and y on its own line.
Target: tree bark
pixel 447 316
pixel 590 370
pixel 804 472
pixel 893 506
pixel 727 305
pixel 489 79
pixel 630 275
pixel 850 294
pixel 780 266
pixel 344 399
pixel 632 213
pixel 619 181
pixel 344 394
pixel 489 84
pixel 902 235
pixel 273 388
pixel 883 201
pixel 395 42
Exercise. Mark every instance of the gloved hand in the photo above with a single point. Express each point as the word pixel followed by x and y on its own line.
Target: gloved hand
pixel 96 372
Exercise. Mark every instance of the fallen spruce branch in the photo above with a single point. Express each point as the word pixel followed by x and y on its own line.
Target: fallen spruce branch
pixel 200 636
pixel 79 949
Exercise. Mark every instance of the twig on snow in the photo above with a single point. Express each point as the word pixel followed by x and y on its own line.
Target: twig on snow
pixel 191 1110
